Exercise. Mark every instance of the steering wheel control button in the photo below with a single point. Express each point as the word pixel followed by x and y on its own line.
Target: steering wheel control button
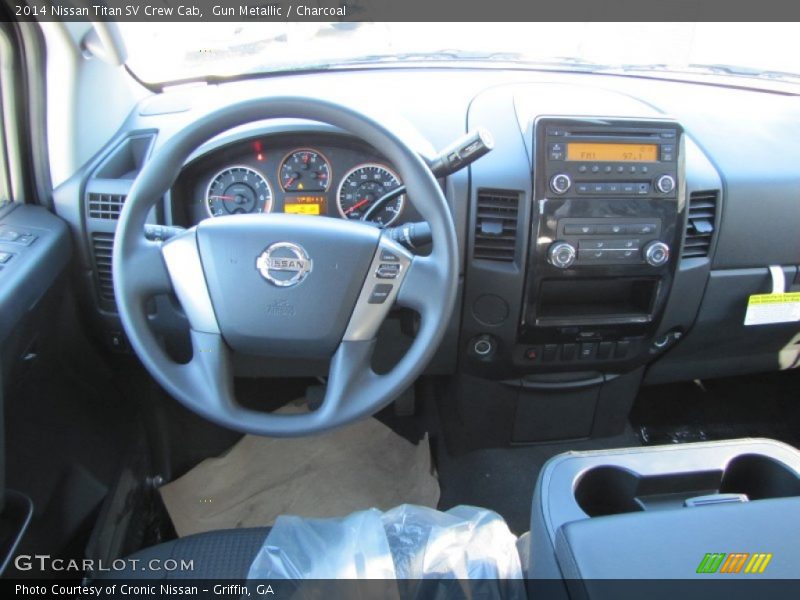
pixel 560 183
pixel 380 293
pixel 656 254
pixel 284 264
pixel 388 271
pixel 561 255
pixel 387 256
pixel 665 184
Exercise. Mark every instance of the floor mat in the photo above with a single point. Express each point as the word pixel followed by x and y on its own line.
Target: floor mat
pixel 502 479
pixel 358 467
pixel 765 405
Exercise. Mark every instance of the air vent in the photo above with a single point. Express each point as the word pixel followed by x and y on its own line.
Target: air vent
pixel 103 245
pixel 105 206
pixel 496 225
pixel 700 224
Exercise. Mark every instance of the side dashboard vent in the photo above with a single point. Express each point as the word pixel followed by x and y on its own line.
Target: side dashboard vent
pixel 102 246
pixel 496 225
pixel 700 223
pixel 105 206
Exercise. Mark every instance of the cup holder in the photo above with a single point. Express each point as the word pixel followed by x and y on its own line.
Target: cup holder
pixel 759 477
pixel 610 490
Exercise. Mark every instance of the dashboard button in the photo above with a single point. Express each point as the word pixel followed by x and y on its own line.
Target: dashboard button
pixel 582 188
pixel 532 353
pixel 579 229
pixel 568 351
pixel 613 188
pixel 621 349
pixel 588 350
pixel 550 352
pixel 604 350
pixel 380 293
pixel 611 228
pixel 9 235
pixel 5 257
pixel 594 244
pixel 624 254
pixel 593 255
pixel 642 228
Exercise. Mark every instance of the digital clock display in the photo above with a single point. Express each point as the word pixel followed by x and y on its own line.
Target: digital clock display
pixel 613 152
pixel 305 205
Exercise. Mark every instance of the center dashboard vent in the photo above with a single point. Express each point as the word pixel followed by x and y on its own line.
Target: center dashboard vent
pixel 105 206
pixel 103 246
pixel 496 225
pixel 700 224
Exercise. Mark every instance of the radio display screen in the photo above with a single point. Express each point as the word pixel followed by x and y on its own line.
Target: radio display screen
pixel 305 205
pixel 612 152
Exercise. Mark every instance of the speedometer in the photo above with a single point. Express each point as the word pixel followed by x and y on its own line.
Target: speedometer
pixel 364 186
pixel 238 190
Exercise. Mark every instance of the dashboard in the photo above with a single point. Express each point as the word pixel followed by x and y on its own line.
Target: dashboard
pixel 313 175
pixel 619 225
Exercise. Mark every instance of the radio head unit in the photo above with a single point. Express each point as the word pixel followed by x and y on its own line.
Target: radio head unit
pixel 585 160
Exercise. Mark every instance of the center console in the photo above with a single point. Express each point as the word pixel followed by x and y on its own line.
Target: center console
pixel 607 198
pixel 684 512
pixel 569 274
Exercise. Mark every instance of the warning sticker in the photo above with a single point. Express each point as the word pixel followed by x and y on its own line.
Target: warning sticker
pixel 763 309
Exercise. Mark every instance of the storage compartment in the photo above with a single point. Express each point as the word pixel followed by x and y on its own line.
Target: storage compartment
pixel 555 413
pixel 615 297
pixel 126 160
pixel 586 502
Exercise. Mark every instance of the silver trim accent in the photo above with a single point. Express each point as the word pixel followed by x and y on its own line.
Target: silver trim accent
pixel 292 153
pixel 182 258
pixel 301 265
pixel 378 166
pixel 665 184
pixel 555 258
pixel 557 188
pixel 650 251
pixel 367 318
pixel 268 205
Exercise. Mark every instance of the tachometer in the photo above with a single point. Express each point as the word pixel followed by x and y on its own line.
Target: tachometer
pixel 304 170
pixel 362 186
pixel 238 190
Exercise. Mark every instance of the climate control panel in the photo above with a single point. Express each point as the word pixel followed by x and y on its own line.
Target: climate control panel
pixel 608 241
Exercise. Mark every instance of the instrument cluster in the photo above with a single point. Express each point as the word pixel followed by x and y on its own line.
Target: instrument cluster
pixel 314 175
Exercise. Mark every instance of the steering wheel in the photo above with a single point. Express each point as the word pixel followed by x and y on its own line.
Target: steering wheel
pixel 279 285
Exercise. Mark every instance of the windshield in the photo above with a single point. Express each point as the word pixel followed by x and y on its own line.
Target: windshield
pixel 163 52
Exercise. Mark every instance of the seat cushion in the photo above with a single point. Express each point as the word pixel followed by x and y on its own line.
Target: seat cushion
pixel 225 554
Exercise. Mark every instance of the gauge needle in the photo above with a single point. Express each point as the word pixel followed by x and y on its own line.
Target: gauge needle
pixel 356 206
pixel 290 181
pixel 223 197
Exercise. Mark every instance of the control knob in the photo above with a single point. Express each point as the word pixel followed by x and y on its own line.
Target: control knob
pixel 560 183
pixel 561 255
pixel 656 254
pixel 665 184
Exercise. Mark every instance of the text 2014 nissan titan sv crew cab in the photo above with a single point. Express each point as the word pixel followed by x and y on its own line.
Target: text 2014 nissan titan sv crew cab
pixel 308 303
